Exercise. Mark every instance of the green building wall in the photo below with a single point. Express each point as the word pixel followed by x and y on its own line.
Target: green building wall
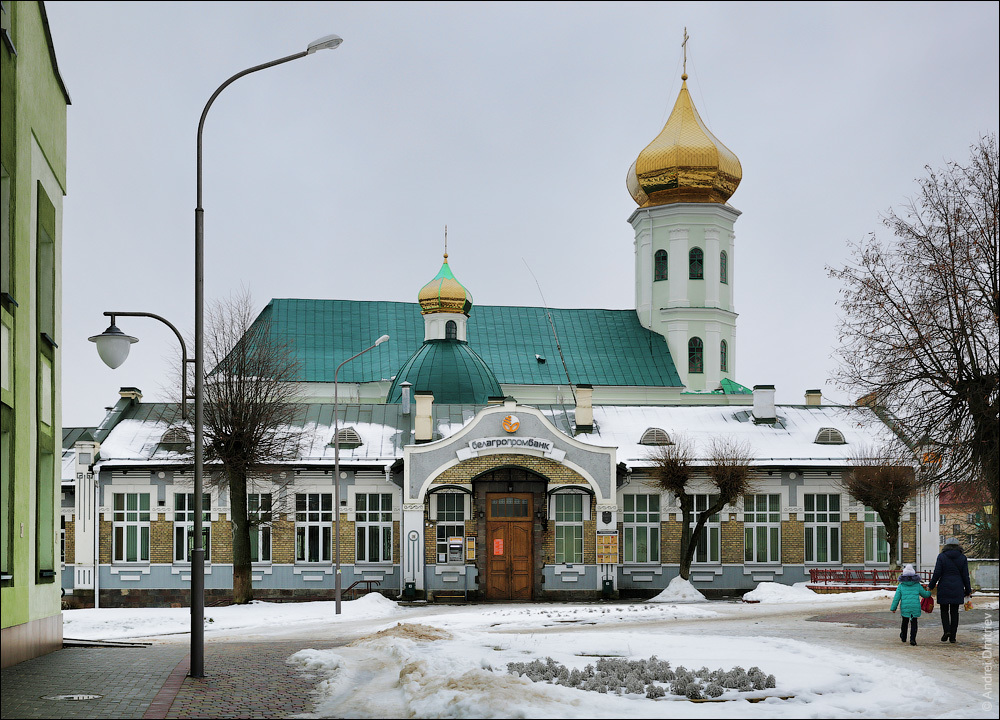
pixel 33 156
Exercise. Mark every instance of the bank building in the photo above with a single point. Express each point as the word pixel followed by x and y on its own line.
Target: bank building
pixel 503 452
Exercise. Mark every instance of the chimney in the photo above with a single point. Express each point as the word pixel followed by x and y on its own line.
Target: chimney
pixel 814 397
pixel 763 404
pixel 405 388
pixel 584 408
pixel 131 393
pixel 424 424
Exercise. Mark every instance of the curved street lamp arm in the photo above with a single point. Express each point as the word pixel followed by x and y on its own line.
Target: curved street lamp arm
pixel 180 339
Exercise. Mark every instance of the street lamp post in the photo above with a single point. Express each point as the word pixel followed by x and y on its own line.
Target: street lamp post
pixel 336 470
pixel 119 339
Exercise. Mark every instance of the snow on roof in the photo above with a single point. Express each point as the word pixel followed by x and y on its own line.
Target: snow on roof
pixel 384 434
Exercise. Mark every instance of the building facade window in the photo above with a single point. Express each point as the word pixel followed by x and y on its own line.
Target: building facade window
pixel 660 265
pixel 451 330
pixel 569 527
pixel 184 510
pixel 259 515
pixel 762 528
pixel 696 264
pixel 450 521
pixel 130 528
pixel 373 523
pixel 876 545
pixel 313 529
pixel 696 355
pixel 822 528
pixel 723 267
pixel 723 356
pixel 641 530
pixel 709 539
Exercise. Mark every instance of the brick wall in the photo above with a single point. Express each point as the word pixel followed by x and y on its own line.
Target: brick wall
pixel 908 536
pixel 104 544
pixel 853 539
pixel 221 539
pixel 70 541
pixel 161 540
pixel 792 541
pixel 465 471
pixel 670 544
pixel 732 541
pixel 282 541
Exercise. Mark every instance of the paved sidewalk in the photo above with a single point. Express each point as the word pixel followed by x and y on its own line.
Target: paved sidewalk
pixel 242 680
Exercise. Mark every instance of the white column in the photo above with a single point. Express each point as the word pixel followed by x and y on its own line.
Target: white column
pixel 712 269
pixel 678 273
pixel 713 359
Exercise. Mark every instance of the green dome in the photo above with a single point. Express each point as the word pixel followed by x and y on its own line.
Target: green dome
pixel 451 370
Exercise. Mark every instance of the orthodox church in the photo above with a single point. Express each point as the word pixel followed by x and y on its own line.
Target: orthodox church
pixel 502 452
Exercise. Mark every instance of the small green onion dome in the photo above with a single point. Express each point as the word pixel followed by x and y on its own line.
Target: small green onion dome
pixel 444 294
pixel 451 370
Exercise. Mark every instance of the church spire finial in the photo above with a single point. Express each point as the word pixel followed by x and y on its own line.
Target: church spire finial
pixel 446 243
pixel 685 46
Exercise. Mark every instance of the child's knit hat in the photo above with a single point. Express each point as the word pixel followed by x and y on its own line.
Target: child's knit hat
pixel 908 571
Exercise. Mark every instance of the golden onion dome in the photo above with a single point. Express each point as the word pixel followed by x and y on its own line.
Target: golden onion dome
pixel 444 294
pixel 684 163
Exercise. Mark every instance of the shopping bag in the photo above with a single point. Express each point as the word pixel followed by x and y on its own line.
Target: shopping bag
pixel 927 604
pixel 968 604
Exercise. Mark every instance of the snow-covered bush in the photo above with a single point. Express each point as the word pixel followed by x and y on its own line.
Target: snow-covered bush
pixel 713 690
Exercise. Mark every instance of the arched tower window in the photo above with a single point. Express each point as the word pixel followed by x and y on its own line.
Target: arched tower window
pixel 723 267
pixel 723 352
pixel 451 330
pixel 660 265
pixel 696 355
pixel 696 264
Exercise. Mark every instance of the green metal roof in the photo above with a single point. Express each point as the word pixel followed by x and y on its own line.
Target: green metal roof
pixel 451 370
pixel 601 347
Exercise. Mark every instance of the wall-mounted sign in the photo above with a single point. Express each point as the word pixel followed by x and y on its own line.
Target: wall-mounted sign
pixel 607 548
pixel 511 423
pixel 503 443
pixel 498 546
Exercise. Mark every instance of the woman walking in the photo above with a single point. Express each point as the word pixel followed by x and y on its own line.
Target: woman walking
pixel 951 576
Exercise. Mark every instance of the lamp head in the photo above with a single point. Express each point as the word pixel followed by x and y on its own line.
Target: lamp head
pixel 113 345
pixel 327 41
pixel 381 340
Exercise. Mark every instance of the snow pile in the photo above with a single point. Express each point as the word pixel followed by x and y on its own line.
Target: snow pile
pixel 770 592
pixel 679 590
pixel 548 615
pixel 121 623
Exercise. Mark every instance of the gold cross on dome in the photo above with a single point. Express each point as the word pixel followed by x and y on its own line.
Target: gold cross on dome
pixel 685 46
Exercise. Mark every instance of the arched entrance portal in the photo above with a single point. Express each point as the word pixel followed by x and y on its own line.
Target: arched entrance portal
pixel 506 500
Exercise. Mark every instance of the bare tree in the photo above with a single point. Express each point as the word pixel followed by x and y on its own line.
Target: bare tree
pixel 885 480
pixel 728 470
pixel 920 323
pixel 249 415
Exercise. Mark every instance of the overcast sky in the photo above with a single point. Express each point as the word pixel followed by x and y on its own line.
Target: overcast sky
pixel 513 123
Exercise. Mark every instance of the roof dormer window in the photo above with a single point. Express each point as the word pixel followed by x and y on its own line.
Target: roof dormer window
pixel 830 436
pixel 347 438
pixel 655 436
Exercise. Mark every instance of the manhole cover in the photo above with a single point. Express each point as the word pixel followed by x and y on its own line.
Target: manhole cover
pixel 72 696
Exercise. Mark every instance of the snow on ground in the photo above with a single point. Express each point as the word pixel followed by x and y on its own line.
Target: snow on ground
pixel 679 590
pixel 769 592
pixel 122 623
pixel 413 670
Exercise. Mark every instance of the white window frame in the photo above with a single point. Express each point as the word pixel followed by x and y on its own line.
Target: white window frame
pixel 876 540
pixel 260 512
pixel 569 526
pixel 183 536
pixel 641 528
pixel 762 529
pixel 821 522
pixel 709 553
pixel 450 520
pixel 313 527
pixel 373 527
pixel 124 521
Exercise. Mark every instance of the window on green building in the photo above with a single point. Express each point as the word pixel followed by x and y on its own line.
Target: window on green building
pixel 696 264
pixel 660 265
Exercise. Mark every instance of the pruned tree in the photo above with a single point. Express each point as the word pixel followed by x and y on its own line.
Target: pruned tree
pixel 920 321
pixel 249 415
pixel 885 480
pixel 728 471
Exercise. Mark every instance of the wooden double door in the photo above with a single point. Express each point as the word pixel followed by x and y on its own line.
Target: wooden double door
pixel 509 551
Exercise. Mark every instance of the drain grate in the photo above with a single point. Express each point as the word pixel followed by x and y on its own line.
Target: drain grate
pixel 72 696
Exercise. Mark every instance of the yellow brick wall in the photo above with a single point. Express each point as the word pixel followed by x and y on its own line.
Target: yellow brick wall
pixel 70 541
pixel 283 541
pixel 732 541
pixel 104 543
pixel 853 539
pixel 161 540
pixel 670 541
pixel 473 467
pixel 792 541
pixel 221 539
pixel 908 535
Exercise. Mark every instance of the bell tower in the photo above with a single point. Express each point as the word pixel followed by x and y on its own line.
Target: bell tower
pixel 685 245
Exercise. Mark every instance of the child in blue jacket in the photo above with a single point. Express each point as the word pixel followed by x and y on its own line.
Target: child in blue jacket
pixel 907 597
